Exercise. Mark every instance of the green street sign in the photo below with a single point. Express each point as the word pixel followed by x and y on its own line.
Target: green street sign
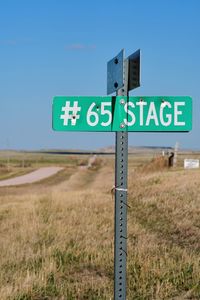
pixel 153 114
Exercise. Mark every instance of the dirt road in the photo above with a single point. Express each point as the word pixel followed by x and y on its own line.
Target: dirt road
pixel 31 177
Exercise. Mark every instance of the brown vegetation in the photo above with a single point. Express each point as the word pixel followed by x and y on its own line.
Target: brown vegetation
pixel 56 237
pixel 158 163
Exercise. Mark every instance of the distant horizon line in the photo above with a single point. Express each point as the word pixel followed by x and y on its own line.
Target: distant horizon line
pixel 101 149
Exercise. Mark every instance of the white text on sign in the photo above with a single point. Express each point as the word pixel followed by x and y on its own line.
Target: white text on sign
pixel 158 118
pixel 72 113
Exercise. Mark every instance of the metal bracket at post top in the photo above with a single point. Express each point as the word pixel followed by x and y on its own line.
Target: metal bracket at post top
pixel 121 170
pixel 115 66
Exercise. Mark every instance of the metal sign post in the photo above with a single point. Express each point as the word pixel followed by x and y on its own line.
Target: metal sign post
pixel 119 81
pixel 121 114
pixel 121 172
pixel 120 247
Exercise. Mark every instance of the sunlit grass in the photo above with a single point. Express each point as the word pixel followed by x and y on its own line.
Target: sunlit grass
pixel 57 239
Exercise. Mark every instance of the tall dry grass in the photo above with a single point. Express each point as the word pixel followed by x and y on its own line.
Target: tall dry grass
pixel 56 240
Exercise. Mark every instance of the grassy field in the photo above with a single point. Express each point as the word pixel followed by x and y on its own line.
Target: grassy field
pixel 56 236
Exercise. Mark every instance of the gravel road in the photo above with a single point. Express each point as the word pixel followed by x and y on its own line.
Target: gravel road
pixel 31 177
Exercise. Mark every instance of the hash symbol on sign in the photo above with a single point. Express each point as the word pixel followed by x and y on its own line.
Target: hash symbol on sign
pixel 70 113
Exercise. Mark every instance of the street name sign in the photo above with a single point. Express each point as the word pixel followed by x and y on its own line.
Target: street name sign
pixel 136 114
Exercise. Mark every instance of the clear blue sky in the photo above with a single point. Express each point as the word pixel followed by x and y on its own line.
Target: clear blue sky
pixel 61 47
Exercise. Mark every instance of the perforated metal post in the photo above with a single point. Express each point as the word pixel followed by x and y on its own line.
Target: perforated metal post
pixel 121 168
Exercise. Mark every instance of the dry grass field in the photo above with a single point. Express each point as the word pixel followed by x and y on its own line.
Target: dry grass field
pixel 56 236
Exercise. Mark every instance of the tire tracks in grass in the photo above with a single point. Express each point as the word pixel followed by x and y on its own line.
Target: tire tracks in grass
pixel 82 179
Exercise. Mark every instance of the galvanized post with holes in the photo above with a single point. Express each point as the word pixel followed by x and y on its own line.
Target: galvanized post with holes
pixel 123 75
pixel 120 250
pixel 121 169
